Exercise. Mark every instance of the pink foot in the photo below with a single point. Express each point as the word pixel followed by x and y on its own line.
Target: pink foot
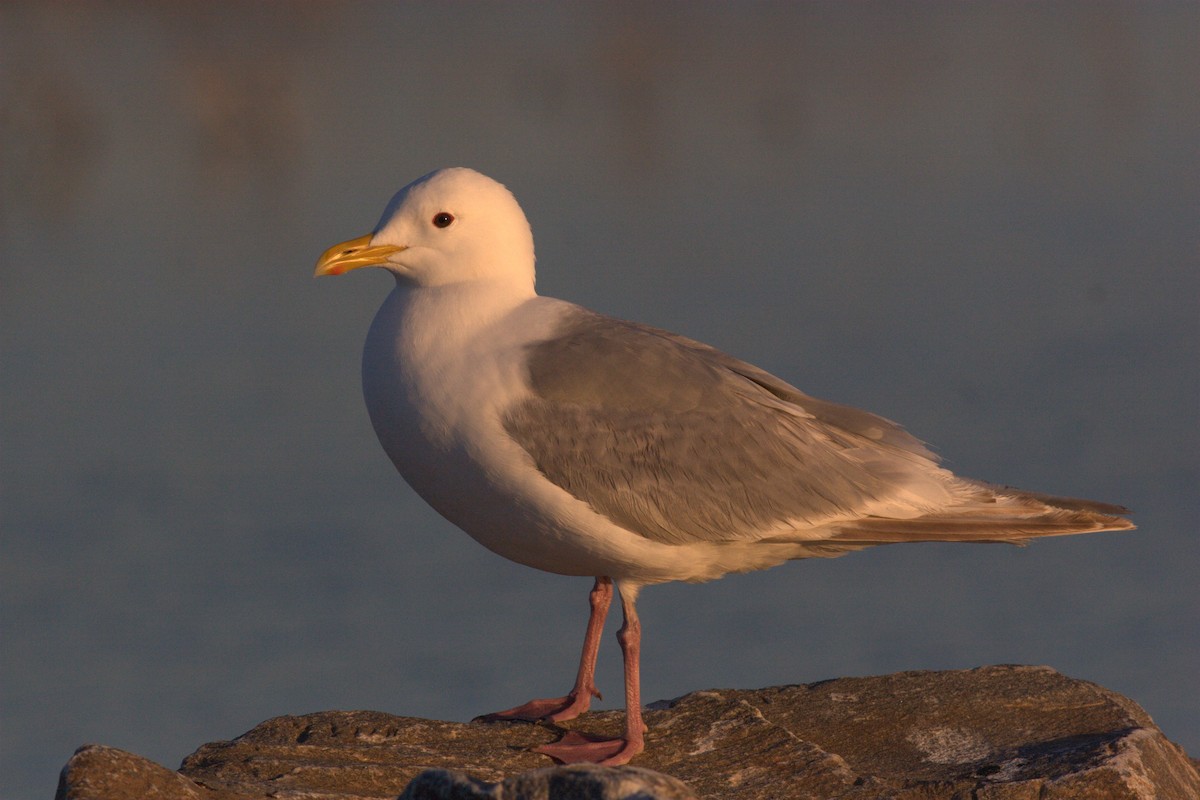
pixel 577 701
pixel 557 709
pixel 575 748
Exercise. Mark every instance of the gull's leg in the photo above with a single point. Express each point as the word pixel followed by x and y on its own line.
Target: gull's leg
pixel 559 709
pixel 576 747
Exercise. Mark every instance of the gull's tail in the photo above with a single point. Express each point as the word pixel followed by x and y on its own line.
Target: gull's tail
pixel 989 514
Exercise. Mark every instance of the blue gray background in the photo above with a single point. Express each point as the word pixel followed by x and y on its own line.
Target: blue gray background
pixel 979 220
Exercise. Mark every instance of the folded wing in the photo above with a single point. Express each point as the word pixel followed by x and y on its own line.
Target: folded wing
pixel 680 443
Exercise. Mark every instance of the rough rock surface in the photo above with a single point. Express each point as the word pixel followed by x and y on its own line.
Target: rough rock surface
pixel 994 733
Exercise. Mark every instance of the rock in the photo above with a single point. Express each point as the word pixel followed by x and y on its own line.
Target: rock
pixel 96 772
pixel 994 733
pixel 582 781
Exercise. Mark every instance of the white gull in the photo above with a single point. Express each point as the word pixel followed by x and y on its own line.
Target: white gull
pixel 585 445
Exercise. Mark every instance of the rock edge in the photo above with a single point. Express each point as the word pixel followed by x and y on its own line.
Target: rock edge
pixel 992 733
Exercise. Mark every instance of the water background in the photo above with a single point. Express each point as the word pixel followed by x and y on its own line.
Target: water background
pixel 980 220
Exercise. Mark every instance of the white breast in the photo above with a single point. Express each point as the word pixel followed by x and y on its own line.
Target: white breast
pixel 440 367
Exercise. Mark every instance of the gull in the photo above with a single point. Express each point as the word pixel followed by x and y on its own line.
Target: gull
pixel 580 444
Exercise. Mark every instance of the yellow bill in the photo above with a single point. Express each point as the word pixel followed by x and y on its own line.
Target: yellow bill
pixel 354 254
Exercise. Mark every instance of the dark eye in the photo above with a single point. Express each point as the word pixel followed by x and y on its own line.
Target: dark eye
pixel 442 219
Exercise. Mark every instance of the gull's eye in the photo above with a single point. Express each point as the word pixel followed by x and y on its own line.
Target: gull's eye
pixel 442 219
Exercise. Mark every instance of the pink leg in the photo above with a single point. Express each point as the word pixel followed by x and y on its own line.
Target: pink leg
pixel 576 747
pixel 559 709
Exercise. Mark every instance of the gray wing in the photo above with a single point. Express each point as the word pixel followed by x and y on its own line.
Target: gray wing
pixel 679 442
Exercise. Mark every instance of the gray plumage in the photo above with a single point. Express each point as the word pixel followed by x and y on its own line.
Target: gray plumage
pixel 680 443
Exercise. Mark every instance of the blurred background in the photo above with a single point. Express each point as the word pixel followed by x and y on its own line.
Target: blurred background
pixel 981 220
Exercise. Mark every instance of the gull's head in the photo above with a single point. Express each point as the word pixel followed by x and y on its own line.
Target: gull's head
pixel 451 226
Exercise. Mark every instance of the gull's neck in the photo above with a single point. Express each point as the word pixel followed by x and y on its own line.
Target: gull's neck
pixel 457 309
pixel 420 329
pixel 432 359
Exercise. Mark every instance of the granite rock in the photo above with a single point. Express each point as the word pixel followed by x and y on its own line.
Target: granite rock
pixel 993 733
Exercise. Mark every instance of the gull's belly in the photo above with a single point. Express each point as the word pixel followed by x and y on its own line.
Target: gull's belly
pixel 479 480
